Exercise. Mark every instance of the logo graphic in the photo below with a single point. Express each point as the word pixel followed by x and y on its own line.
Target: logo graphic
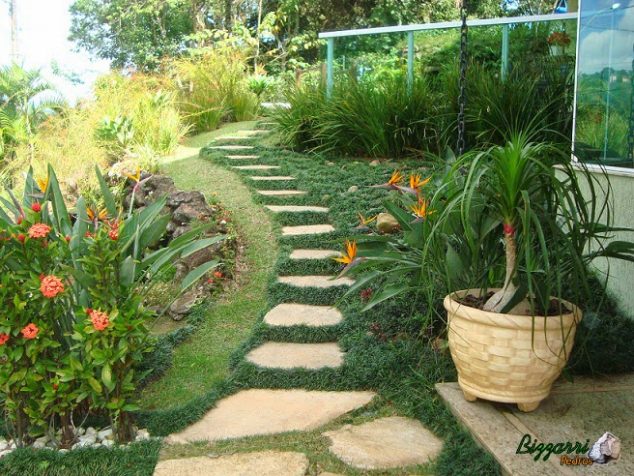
pixel 606 448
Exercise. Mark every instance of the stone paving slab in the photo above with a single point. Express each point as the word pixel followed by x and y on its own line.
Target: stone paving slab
pixel 313 254
pixel 281 193
pixel 297 208
pixel 574 411
pixel 271 178
pixel 385 443
pixel 232 147
pixel 251 132
pixel 262 463
pixel 307 230
pixel 265 412
pixel 290 314
pixel 233 138
pixel 242 157
pixel 315 281
pixel 290 355
pixel 256 167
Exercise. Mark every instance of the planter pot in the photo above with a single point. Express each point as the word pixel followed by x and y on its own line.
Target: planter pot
pixel 505 357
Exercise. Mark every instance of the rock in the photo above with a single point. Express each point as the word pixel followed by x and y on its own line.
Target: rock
pixel 107 443
pixel 105 434
pixel 40 442
pixel 329 163
pixel 159 186
pixel 183 305
pixel 289 314
pixel 316 281
pixel 307 230
pixel 90 431
pixel 264 463
pixel 194 260
pixel 375 163
pixel 353 189
pixel 80 431
pixel 63 450
pixel 3 444
pixel 5 452
pixel 142 435
pixel 606 448
pixel 386 223
pixel 384 443
pixel 287 355
pixel 176 199
pixel 264 412
pixel 300 254
pixel 187 213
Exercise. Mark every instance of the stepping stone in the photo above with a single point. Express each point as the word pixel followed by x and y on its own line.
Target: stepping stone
pixel 306 230
pixel 232 147
pixel 242 157
pixel 313 254
pixel 265 412
pixel 303 315
pixel 262 463
pixel 297 208
pixel 281 193
pixel 256 167
pixel 385 443
pixel 259 178
pixel 233 138
pixel 249 133
pixel 287 355
pixel 315 281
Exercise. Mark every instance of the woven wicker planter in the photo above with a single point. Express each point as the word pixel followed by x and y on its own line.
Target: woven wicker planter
pixel 508 358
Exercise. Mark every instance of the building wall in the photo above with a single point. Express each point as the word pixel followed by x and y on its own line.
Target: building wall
pixel 620 273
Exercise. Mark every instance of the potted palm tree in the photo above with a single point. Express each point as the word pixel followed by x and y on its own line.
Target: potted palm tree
pixel 514 228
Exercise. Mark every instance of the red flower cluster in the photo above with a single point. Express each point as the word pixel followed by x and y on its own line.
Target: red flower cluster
pixel 113 234
pixel 100 320
pixel 36 207
pixel 3 338
pixel 51 286
pixel 30 331
pixel 39 230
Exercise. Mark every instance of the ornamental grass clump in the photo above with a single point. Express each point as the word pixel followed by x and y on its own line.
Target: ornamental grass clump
pixel 73 326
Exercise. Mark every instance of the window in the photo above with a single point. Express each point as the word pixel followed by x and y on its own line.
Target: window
pixel 604 124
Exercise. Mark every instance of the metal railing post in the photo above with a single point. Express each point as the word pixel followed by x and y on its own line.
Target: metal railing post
pixel 330 59
pixel 505 51
pixel 410 60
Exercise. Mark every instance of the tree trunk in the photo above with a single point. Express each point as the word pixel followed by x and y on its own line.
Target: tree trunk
pixel 499 300
pixel 228 14
pixel 123 431
pixel 68 435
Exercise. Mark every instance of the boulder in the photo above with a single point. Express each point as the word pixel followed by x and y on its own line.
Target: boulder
pixel 386 223
pixel 181 307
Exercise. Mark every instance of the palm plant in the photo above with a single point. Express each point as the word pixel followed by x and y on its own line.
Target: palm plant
pixel 23 105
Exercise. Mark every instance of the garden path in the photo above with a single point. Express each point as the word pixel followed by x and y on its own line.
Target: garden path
pixel 384 443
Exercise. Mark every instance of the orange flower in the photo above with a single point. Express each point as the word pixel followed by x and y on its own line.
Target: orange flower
pixel 420 209
pixel 21 238
pixel 39 230
pixel 101 215
pixel 136 177
pixel 395 179
pixel 42 183
pixel 350 254
pixel 30 331
pixel 51 286
pixel 100 320
pixel 3 338
pixel 415 181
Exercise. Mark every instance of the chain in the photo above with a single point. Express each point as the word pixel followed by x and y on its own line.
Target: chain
pixel 462 97
pixel 630 137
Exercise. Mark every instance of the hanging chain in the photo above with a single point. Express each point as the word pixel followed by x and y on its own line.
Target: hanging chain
pixel 630 137
pixel 462 97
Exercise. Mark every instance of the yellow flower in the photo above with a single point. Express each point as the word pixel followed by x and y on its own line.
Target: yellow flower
pixel 363 221
pixel 395 179
pixel 136 177
pixel 415 181
pixel 42 183
pixel 420 209
pixel 350 253
pixel 101 215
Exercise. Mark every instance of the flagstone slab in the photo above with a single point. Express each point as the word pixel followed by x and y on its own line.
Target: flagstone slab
pixel 265 412
pixel 232 147
pixel 271 178
pixel 290 314
pixel 313 254
pixel 315 281
pixel 250 132
pixel 307 230
pixel 290 355
pixel 297 208
pixel 385 443
pixel 281 193
pixel 242 157
pixel 262 463
pixel 233 138
pixel 256 167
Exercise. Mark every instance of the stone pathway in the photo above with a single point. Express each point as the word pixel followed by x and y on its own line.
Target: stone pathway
pixel 380 444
